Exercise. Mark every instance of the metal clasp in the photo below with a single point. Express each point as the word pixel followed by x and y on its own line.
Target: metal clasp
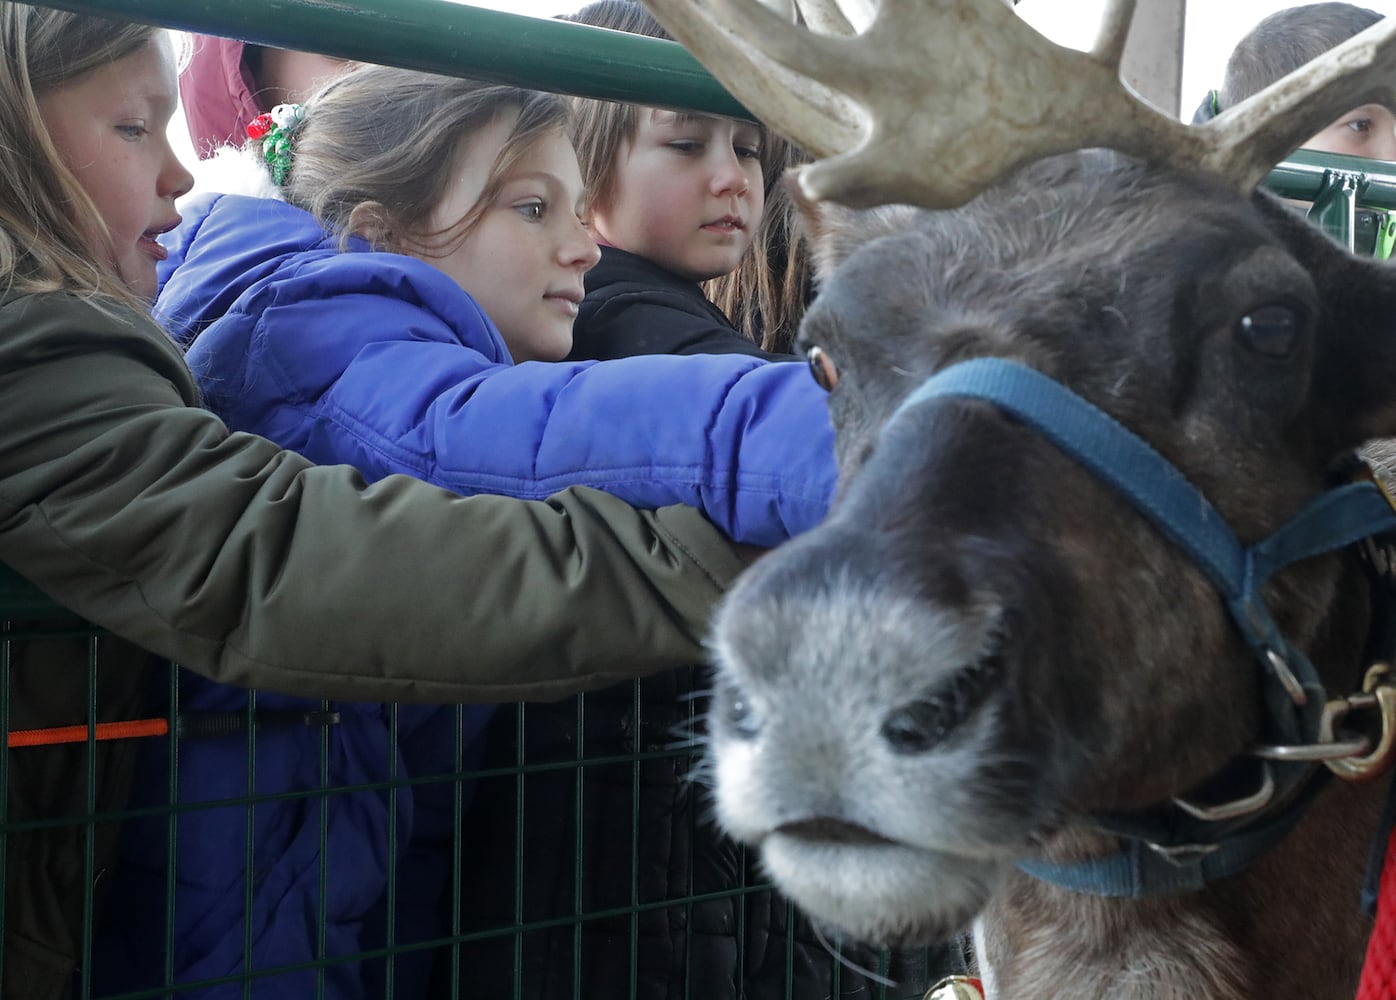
pixel 1244 806
pixel 1377 693
pixel 1314 753
pixel 1280 667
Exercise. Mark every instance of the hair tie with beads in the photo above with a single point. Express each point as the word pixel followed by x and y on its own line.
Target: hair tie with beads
pixel 274 129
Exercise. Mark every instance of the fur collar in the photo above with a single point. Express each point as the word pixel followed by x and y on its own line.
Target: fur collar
pixel 233 170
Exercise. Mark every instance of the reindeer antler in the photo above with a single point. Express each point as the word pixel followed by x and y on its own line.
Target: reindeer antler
pixel 930 101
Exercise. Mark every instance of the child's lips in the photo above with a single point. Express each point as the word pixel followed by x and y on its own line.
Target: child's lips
pixel 150 239
pixel 568 299
pixel 153 247
pixel 726 224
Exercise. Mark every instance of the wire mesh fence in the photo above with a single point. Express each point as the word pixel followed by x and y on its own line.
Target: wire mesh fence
pixel 275 847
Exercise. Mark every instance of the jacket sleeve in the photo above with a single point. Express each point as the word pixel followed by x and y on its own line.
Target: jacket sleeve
pixel 139 511
pixel 384 383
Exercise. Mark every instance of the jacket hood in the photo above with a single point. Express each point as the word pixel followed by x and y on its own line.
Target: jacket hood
pixel 215 91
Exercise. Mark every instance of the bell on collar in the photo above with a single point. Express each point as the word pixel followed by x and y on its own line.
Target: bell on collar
pixel 956 988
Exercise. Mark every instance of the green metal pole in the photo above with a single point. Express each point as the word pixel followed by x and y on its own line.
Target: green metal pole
pixel 454 40
pixel 1302 174
pixel 459 40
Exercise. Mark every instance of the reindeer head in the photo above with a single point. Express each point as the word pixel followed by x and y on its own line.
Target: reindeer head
pixel 984 644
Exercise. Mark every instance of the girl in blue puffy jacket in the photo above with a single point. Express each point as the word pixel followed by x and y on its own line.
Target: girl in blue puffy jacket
pixel 394 294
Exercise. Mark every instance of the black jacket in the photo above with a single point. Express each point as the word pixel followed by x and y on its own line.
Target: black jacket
pixel 628 840
pixel 635 307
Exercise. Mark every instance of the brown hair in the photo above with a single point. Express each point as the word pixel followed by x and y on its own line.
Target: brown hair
pixel 604 127
pixel 51 235
pixel 377 151
pixel 766 294
pixel 1286 40
pixel 765 297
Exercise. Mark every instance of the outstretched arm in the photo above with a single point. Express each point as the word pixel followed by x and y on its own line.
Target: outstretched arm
pixel 139 511
pixel 398 384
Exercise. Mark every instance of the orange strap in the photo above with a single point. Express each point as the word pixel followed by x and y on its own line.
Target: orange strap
pixel 79 734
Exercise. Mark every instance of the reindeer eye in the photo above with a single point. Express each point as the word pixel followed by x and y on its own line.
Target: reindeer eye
pixel 822 367
pixel 1270 330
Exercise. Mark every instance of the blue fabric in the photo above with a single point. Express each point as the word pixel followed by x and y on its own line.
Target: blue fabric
pixel 211 917
pixel 1142 872
pixel 383 362
pixel 380 361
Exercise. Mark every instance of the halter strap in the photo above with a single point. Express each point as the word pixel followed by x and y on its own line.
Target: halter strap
pixel 1115 454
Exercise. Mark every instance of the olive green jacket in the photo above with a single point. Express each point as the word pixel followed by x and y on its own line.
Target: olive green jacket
pixel 125 502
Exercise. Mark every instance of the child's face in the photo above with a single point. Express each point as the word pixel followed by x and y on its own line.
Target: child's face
pixel 687 193
pixel 524 260
pixel 1366 131
pixel 109 128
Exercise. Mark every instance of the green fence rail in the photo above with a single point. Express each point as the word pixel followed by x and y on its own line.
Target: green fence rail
pixel 459 40
pixel 455 40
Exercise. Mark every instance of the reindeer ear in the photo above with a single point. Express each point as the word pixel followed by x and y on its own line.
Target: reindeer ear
pixel 1354 379
pixel 835 231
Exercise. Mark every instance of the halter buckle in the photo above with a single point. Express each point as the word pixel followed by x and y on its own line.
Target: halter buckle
pixel 1377 693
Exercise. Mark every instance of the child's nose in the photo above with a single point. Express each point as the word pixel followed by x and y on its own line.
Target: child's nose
pixel 580 249
pixel 729 177
pixel 175 179
pixel 1386 149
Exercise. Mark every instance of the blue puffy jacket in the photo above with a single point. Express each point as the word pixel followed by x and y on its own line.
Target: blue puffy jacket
pixel 382 362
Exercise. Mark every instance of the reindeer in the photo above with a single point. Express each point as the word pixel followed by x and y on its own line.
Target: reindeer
pixel 1088 612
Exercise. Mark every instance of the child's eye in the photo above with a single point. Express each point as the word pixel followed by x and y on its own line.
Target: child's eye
pixel 1360 125
pixel 531 210
pixel 747 152
pixel 134 131
pixel 686 145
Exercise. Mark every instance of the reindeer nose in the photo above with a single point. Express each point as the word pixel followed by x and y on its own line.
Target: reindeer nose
pixel 917 726
pixel 739 713
pixel 922 725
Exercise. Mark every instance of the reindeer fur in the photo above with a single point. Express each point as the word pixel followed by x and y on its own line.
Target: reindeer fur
pixel 1064 658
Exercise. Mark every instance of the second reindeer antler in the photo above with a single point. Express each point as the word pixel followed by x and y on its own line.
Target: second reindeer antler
pixel 927 102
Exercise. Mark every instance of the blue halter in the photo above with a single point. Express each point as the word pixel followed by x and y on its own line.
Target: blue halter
pixel 1181 853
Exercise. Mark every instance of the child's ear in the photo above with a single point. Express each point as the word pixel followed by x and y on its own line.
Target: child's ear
pixel 588 215
pixel 835 231
pixel 369 221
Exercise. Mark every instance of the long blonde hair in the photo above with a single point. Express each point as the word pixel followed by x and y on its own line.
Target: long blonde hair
pixel 51 235
pixel 377 151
